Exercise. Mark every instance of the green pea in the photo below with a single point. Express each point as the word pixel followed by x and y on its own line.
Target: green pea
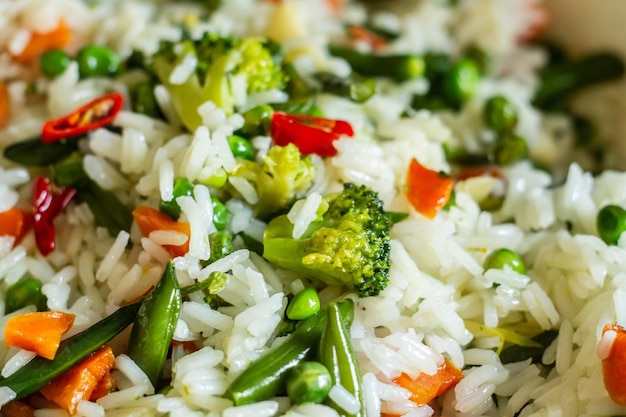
pixel 304 304
pixel 221 215
pixel 241 147
pixel 461 82
pixel 54 62
pixel 217 180
pixel 500 114
pixel 508 149
pixel 308 382
pixel 97 61
pixel 611 222
pixel 26 291
pixel 257 121
pixel 182 187
pixel 503 257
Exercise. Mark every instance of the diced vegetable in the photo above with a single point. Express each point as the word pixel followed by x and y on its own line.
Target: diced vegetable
pixel 17 408
pixel 42 42
pixel 461 82
pixel 507 149
pixel 15 222
pixel 97 61
pixel 33 152
pixel 54 62
pixel 504 257
pixel 308 382
pixel 38 332
pixel 614 364
pixel 303 305
pixel 397 67
pixel 500 115
pixel 182 187
pixel 428 191
pixel 506 336
pixel 426 388
pixel 522 352
pixel 150 220
pixel 79 383
pixel 611 223
pixel 5 104
pixel 48 204
pixel 241 147
pixel 26 291
pixel 143 99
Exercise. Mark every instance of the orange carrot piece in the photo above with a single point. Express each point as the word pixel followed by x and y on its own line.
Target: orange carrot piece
pixel 14 222
pixel 79 383
pixel 428 191
pixel 359 33
pixel 105 386
pixel 538 18
pixel 614 365
pixel 42 42
pixel 4 104
pixel 38 332
pixel 17 408
pixel 426 388
pixel 150 220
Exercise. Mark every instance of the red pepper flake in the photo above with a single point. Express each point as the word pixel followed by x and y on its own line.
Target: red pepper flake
pixel 312 135
pixel 428 191
pixel 97 113
pixel 48 204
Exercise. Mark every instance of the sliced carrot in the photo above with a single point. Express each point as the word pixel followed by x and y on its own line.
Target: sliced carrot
pixel 17 408
pixel 150 220
pixel 105 386
pixel 426 388
pixel 428 191
pixel 38 332
pixel 14 222
pixel 42 42
pixel 79 383
pixel 5 104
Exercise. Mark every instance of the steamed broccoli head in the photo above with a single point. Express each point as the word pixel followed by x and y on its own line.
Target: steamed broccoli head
pixel 279 179
pixel 348 245
pixel 219 63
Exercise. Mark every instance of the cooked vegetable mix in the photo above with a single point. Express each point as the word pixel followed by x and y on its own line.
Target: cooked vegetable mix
pixel 307 208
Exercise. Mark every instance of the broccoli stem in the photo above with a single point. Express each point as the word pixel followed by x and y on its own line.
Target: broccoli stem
pixel 558 82
pixel 400 68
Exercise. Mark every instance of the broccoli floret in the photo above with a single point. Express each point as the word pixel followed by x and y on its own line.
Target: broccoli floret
pixel 347 245
pixel 218 61
pixel 278 180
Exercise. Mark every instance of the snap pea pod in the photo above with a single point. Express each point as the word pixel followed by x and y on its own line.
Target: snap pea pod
pixel 267 376
pixel 155 324
pixel 337 354
pixel 39 371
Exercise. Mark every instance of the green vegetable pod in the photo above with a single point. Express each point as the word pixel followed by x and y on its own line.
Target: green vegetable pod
pixel 39 371
pixel 337 354
pixel 267 377
pixel 155 324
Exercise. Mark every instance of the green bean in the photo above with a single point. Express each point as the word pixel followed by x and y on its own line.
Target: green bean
pixel 308 382
pixel 69 172
pixel 212 285
pixel 26 291
pixel 400 68
pixel 182 187
pixel 558 82
pixel 303 305
pixel 611 223
pixel 500 115
pixel 143 100
pixel 221 244
pixel 337 354
pixel 256 121
pixel 39 371
pixel 507 149
pixel 54 62
pixel 355 88
pixel 267 376
pixel 154 326
pixel 221 214
pixel 461 82
pixel 33 152
pixel 97 61
pixel 501 258
pixel 241 147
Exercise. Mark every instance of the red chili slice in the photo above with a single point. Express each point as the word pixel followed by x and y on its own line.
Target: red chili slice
pixel 48 204
pixel 97 113
pixel 312 135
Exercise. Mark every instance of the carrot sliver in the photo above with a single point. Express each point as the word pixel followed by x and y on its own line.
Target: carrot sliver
pixel 4 105
pixel 150 220
pixel 80 382
pixel 14 222
pixel 42 42
pixel 17 408
pixel 105 386
pixel 428 191
pixel 426 388
pixel 614 365
pixel 38 332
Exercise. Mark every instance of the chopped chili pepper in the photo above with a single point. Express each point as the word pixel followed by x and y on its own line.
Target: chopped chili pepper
pixel 428 191
pixel 48 204
pixel 363 34
pixel 312 135
pixel 97 113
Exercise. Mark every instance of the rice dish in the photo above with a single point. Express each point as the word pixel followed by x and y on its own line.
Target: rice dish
pixel 445 303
